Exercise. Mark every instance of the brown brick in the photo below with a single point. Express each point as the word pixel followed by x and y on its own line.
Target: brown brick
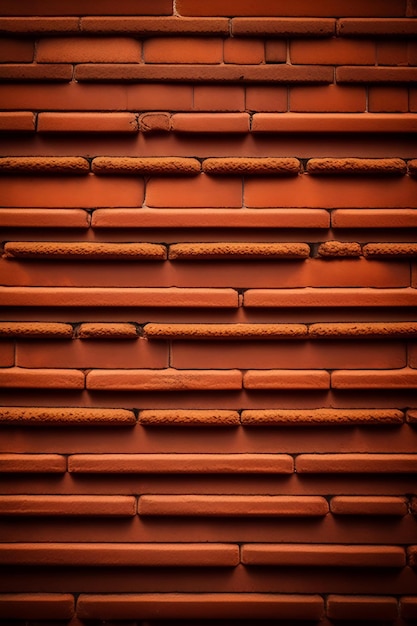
pixel 369 505
pixel 45 505
pixel 353 74
pixel 88 50
pixel 377 27
pixel 66 416
pixel 362 607
pixel 353 166
pixel 225 331
pixel 51 250
pixel 390 250
pixel 405 378
pixel 192 417
pixel 36 72
pixel 338 122
pixel 232 250
pixel 87 123
pixel 363 329
pixel 356 463
pixel 286 379
pixel 258 166
pixel 15 377
pixel 339 249
pixel 44 165
pixel 163 379
pixel 283 27
pixel 178 166
pixel 317 417
pixel 17 121
pixel 107 330
pixel 44 218
pixel 210 123
pixel 59 606
pixel 145 26
pixel 35 329
pixel 33 463
pixel 183 50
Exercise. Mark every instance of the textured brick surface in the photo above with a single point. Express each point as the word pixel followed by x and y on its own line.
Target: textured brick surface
pixel 84 250
pixel 107 506
pixel 313 417
pixel 65 415
pixel 192 417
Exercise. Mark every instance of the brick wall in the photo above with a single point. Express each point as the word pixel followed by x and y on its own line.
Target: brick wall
pixel 208 330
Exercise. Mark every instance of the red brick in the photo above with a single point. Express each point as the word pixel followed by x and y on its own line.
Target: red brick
pixel 356 463
pixel 378 27
pixel 107 330
pixel 369 505
pixel 84 250
pixel 44 218
pixel 35 329
pixel 352 74
pixel 363 329
pixel 15 50
pixel 145 26
pixel 317 417
pixel 276 51
pixel 335 297
pixel 43 378
pixel 7 354
pixel 17 121
pixel 405 378
pixel 408 607
pixel 390 250
pixel 16 72
pixel 388 99
pixel 286 379
pixel 332 98
pixel 72 96
pixel 163 379
pixel 66 416
pixel 233 506
pixel 282 27
pixel 391 53
pixel 33 463
pixel 120 554
pixel 351 166
pixel 210 122
pixel 201 191
pixel 146 165
pixel 155 122
pixel 362 218
pixel 41 25
pixel 244 51
pixel 191 417
pixel 94 7
pixel 225 331
pixel 45 505
pixel 181 463
pixel 338 122
pixel 268 98
pixel 156 97
pixel 232 250
pixel 362 608
pixel 339 249
pixel 130 297
pixel 219 98
pixel 193 605
pixel 88 50
pixel 262 165
pixel 87 123
pixel 307 555
pixel 183 50
pixel 332 52
pixel 44 165
pixel 36 606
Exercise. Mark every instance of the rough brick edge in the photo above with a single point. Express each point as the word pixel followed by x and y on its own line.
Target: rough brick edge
pixel 160 26
pixel 354 166
pixel 192 417
pixel 318 417
pixel 258 166
pixel 234 250
pixel 50 250
pixel 168 379
pixel 59 416
pixel 36 329
pixel 44 165
pixel 37 606
pixel 224 331
pixel 362 329
pixel 339 249
pixel 181 166
pixel 107 330
pixel 390 250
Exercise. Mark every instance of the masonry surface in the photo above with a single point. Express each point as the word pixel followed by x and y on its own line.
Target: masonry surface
pixel 208 272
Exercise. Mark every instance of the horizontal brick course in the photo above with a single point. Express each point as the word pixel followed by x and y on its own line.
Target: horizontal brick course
pixel 325 99
pixel 405 378
pixel 339 248
pixel 87 123
pixel 19 377
pixel 147 165
pixel 232 250
pixel 47 165
pixel 192 417
pixel 45 218
pixel 145 26
pixel 163 379
pixel 33 463
pixel 356 463
pixel 286 379
pixel 183 50
pixel 200 191
pixel 365 218
pixel 17 121
pixel 390 249
pixel 51 250
pixel 353 74
pixel 210 123
pixel 283 26
pixel 88 50
pixel 58 72
pixel 362 607
pixel 336 297
pixel 41 25
pixel 224 331
pixel 352 166
pixel 363 329
pixel 337 122
pixel 317 417
pixel 369 505
pixel 258 166
pixel 66 416
pixel 35 329
pixel 377 27
pixel 107 330
pixel 95 506
pixel 47 606
pixel 95 7
pixel 332 52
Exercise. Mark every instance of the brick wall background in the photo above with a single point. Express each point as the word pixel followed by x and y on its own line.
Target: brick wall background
pixel 208 332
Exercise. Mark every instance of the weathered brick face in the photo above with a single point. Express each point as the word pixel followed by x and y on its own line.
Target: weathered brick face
pixel 208 358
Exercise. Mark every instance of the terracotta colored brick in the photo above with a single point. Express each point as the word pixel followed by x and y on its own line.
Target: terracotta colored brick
pixel 390 249
pixel 331 98
pixel 145 26
pixel 233 506
pixel 267 98
pixel 87 123
pixel 33 463
pixel 387 99
pixel 377 27
pixel 88 50
pixel 20 72
pixel 391 53
pixel 94 7
pixel 44 218
pixel 232 250
pixel 36 606
pixel 210 123
pixel 181 463
pixel 363 329
pixel 61 97
pixel 318 417
pixel 205 218
pixel 17 121
pixel 408 607
pixel 15 50
pixel 200 191
pixel 286 379
pixel 262 165
pixel 84 250
pixel 192 605
pixel 105 330
pixel 150 97
pixel 339 249
pixel 336 297
pixel 43 378
pixel 224 331
pixel 307 555
pixel 163 379
pixel 146 165
pixel 276 51
pixel 45 505
pixel 283 27
pixel 120 554
pixel 243 51
pixel 219 98
pixel 352 74
pixel 66 416
pixel 386 218
pixel 35 329
pixel 356 463
pixel 353 166
pixel 44 165
pixel 362 608
pixel 86 191
pixel 7 357
pixel 183 50
pixel 155 122
pixel 129 297
pixel 368 505
pixel 405 378
pixel 192 417
pixel 340 122
pixel 332 52
pixel 41 25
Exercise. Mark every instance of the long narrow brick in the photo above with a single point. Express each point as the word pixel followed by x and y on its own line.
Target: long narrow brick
pixel 107 330
pixel 318 417
pixel 33 463
pixel 164 379
pixel 125 297
pixel 191 417
pixel 44 218
pixel 92 123
pixel 181 463
pixel 224 331
pixel 334 123
pixel 356 463
pixel 58 72
pixel 88 50
pixel 283 26
pixel 58 606
pixel 363 329
pixel 120 554
pixel 35 329
pixel 94 7
pixel 17 122
pixel 47 165
pixel 369 505
pixel 233 506
pixel 177 166
pixel 346 166
pixel 308 555
pixel 192 605
pixel 377 27
pixel 281 8
pixel 366 218
pixel 145 26
pixel 355 74
pixel 390 250
pixel 234 250
pixel 339 249
pixel 50 250
pixel 286 379
pixel 56 416
pixel 210 123
pixel 335 297
pixel 248 165
pixel 362 608
pixel 91 506
pixel 40 25
pixel 405 378
pixel 19 377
